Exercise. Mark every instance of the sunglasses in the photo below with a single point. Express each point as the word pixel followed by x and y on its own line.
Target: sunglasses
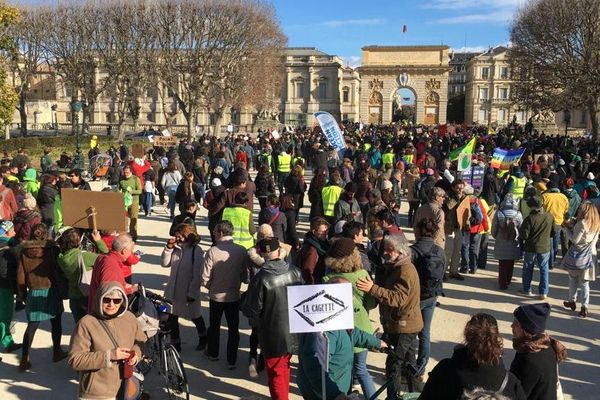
pixel 108 300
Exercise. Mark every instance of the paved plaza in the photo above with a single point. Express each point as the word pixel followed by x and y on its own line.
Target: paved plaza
pixel 212 380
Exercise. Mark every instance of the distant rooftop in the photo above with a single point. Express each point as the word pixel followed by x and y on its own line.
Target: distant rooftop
pixel 396 48
pixel 304 51
pixel 458 58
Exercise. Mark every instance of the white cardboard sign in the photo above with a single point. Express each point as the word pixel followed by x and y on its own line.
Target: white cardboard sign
pixel 320 308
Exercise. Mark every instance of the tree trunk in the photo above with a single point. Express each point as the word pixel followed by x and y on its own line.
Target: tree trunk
pixel 218 121
pixel 593 112
pixel 23 113
pixel 189 117
pixel 120 130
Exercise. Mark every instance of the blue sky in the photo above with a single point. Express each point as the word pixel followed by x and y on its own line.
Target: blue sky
pixel 343 27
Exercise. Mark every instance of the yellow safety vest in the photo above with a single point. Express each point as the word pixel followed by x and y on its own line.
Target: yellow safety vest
pixel 408 158
pixel 297 159
pixel 518 187
pixel 330 196
pixel 367 147
pixel 240 219
pixel 269 159
pixel 388 158
pixel 284 161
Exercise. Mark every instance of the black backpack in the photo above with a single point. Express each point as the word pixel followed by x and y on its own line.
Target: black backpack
pixel 430 266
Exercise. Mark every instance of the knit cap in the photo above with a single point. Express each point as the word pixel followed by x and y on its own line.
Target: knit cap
pixel 341 247
pixel 533 317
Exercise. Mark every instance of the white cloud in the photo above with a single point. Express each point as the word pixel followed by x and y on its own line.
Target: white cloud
pixel 351 61
pixel 469 49
pixel 496 18
pixel 341 23
pixel 472 4
pixel 497 12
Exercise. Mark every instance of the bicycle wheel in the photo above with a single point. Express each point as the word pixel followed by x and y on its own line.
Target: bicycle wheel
pixel 174 374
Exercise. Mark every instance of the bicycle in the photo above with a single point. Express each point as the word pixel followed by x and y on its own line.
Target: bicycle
pixel 158 350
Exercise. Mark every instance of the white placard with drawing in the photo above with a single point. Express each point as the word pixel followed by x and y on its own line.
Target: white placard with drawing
pixel 320 308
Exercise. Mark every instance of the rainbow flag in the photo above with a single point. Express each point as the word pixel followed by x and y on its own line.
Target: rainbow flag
pixel 503 159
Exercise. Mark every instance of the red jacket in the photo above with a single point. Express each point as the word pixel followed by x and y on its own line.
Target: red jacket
pixel 107 268
pixel 140 170
pixel 132 260
pixel 485 223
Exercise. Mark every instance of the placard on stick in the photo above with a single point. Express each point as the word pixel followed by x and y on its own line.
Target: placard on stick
pixel 137 149
pixel 165 141
pixel 109 210
pixel 320 308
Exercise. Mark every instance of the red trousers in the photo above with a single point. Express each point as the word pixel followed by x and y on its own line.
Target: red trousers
pixel 278 372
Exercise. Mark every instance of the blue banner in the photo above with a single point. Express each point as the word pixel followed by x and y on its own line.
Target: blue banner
pixel 331 129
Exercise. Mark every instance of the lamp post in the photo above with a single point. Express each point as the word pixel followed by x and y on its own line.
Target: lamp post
pixel 75 109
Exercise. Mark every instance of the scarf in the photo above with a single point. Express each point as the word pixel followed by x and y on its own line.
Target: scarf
pixel 537 343
pixel 320 245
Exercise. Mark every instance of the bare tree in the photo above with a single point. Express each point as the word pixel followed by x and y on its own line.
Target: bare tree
pixel 554 56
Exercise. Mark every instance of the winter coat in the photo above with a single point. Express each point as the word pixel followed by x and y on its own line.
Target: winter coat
pixel 45 201
pixel 8 263
pixel 264 184
pixel 265 304
pixel 181 197
pixel 507 245
pixel 24 221
pixel 399 297
pixel 291 234
pixel 294 186
pixel 574 202
pixel 68 262
pixel 347 210
pixel 581 237
pixel 537 373
pixel 451 376
pixel 276 219
pixel 536 231
pixel 408 183
pixel 556 204
pixel 430 261
pixel 363 188
pixel 186 262
pixel 99 377
pixel 339 377
pixel 225 268
pixel 435 211
pixel 312 258
pixel 37 266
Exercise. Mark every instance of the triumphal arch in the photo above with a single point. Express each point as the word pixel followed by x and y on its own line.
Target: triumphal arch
pixel 400 83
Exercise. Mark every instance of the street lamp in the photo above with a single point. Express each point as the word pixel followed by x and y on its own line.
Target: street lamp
pixel 75 109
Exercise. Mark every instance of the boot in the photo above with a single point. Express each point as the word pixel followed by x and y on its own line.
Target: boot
pixel 202 341
pixel 570 304
pixel 24 365
pixel 59 355
pixel 583 312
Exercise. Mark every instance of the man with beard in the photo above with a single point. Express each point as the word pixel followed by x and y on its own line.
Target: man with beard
pixel 312 253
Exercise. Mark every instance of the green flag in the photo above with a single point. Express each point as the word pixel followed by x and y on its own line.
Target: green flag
pixel 468 148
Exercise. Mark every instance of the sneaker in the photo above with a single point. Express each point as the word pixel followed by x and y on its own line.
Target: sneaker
pixel 252 369
pixel 463 270
pixel 526 292
pixel 543 297
pixel 456 276
pixel 472 271
pixel 570 304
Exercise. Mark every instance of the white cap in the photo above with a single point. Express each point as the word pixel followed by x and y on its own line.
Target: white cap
pixel 590 176
pixel 387 185
pixel 216 182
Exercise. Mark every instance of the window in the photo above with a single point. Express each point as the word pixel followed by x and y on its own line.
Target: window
pixel 483 115
pixel 483 93
pixel 212 118
pixel 485 72
pixel 462 89
pixel 346 95
pixel 583 118
pixel 299 89
pixel 109 117
pixel 344 117
pixel 322 90
pixel 504 72
pixel 150 117
pixel 68 91
pixel 501 115
pixel 503 93
pixel 68 117
pixel 520 116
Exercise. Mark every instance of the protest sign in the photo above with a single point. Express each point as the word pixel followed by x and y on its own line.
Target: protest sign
pixel 108 207
pixel 549 158
pixel 137 149
pixel 331 129
pixel 464 162
pixel 320 308
pixel 165 141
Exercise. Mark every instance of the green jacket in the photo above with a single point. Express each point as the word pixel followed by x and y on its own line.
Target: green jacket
pixel 30 182
pixel 46 162
pixel 536 231
pixel 361 302
pixel 57 213
pixel 136 187
pixel 69 264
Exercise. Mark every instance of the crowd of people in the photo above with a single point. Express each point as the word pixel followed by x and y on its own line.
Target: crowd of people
pixel 543 210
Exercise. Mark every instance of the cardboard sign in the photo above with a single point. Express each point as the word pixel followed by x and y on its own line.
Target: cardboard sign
pixel 473 176
pixel 165 141
pixel 549 158
pixel 464 161
pixel 137 149
pixel 109 210
pixel 320 308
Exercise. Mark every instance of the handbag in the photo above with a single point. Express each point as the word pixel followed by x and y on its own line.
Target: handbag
pixel 578 259
pixel 85 276
pixel 130 386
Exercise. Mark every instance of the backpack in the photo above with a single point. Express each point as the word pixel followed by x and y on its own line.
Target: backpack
pixel 85 276
pixel 476 216
pixel 431 267
pixel 507 230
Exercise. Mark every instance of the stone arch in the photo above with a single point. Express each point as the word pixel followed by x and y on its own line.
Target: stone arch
pixel 404 104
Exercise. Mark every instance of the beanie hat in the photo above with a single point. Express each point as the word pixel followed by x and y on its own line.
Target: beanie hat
pixel 5 226
pixel 387 185
pixel 551 185
pixel 341 247
pixel 533 317
pixel 351 187
pixel 268 245
pixel 535 202
pixel 263 231
pixel 215 182
pixel 29 201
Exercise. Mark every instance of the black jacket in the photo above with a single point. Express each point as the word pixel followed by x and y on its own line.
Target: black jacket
pixel 451 376
pixel 264 184
pixel 265 305
pixel 45 200
pixel 430 261
pixel 181 198
pixel 291 233
pixel 537 372
pixel 279 224
pixel 8 265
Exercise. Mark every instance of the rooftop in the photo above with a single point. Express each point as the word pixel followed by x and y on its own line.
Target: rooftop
pixel 304 51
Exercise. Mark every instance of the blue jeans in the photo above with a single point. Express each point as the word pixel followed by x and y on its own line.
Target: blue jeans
pixel 529 261
pixel 470 250
pixel 362 374
pixel 427 309
pixel 147 201
pixel 172 203
pixel 555 243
